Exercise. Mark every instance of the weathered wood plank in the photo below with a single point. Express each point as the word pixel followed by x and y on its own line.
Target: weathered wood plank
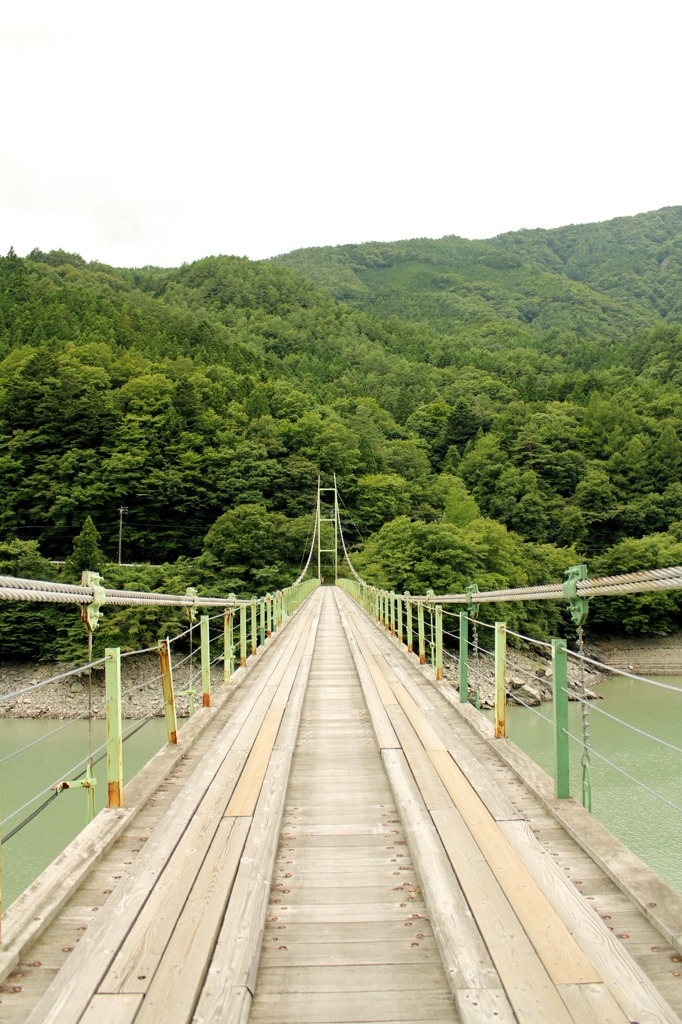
pixel 245 796
pixel 76 983
pixel 326 1008
pixel 628 984
pixel 235 956
pixel 360 953
pixel 112 1009
pixel 465 957
pixel 428 781
pixel 593 1004
pixel 526 982
pixel 562 956
pixel 174 987
pixel 347 978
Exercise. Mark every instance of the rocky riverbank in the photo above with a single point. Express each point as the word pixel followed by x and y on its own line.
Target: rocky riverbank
pixel 26 693
pixel 23 693
pixel 529 679
pixel 651 655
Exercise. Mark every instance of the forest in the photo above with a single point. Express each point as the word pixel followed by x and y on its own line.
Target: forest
pixel 494 411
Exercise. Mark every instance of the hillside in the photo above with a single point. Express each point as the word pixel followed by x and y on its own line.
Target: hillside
pixel 591 280
pixel 493 411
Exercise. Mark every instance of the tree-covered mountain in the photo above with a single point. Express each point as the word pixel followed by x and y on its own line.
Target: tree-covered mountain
pixel 493 410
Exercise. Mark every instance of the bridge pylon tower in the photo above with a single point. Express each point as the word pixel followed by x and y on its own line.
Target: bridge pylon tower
pixel 331 518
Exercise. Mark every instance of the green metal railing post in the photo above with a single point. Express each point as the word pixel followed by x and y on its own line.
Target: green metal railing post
pixel 391 620
pixel 262 620
pixel 205 661
pixel 280 615
pixel 268 606
pixel 463 657
pixel 228 650
pixel 560 688
pixel 399 606
pixel 420 627
pixel 439 642
pixel 168 693
pixel 112 680
pixel 242 635
pixel 254 627
pixel 408 612
pixel 500 680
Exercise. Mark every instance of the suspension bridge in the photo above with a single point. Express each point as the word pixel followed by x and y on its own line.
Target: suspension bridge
pixel 336 834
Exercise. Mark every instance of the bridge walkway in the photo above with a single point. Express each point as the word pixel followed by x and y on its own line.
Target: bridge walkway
pixel 343 847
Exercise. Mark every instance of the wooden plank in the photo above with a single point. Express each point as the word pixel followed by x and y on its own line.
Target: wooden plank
pixel 562 956
pixel 413 682
pixel 529 988
pixel 173 989
pixel 383 730
pixel 149 935
pixel 245 796
pixel 348 978
pixel 465 957
pixel 632 989
pixel 112 1009
pixel 357 1007
pixel 235 956
pixel 593 1004
pixel 176 985
pixel 290 953
pixel 484 1006
pixel 430 785
pixel 324 932
pixel 428 736
pixel 74 986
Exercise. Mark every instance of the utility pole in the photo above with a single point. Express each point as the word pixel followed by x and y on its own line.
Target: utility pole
pixel 120 530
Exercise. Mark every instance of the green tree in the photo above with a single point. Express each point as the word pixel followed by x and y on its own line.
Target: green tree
pixel 87 555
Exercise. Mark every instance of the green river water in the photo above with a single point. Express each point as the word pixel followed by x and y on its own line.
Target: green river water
pixel 648 826
pixel 35 846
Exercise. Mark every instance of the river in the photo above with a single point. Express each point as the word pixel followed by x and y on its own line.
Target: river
pixel 50 760
pixel 649 827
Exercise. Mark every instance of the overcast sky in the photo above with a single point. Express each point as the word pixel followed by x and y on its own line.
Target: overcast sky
pixel 157 133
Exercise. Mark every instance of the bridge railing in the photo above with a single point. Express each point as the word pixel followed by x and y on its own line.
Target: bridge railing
pixel 229 637
pixel 428 626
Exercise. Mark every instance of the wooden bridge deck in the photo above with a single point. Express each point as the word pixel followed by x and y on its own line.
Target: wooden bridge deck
pixel 340 846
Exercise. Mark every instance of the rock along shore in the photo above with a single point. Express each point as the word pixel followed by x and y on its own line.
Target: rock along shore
pixel 71 697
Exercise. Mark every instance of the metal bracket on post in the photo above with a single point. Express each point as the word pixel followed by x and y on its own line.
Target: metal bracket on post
pixel 89 783
pixel 473 607
pixel 192 610
pixel 91 613
pixel 578 606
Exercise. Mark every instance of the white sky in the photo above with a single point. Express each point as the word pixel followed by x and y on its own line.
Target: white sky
pixel 149 132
